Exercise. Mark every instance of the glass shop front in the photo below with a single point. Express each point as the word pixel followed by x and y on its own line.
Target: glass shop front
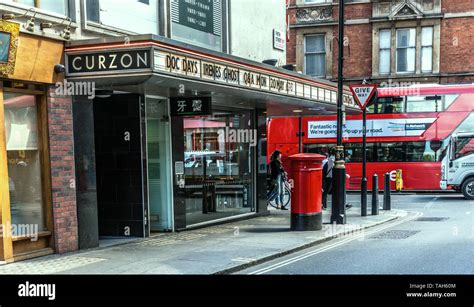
pixel 218 158
pixel 175 137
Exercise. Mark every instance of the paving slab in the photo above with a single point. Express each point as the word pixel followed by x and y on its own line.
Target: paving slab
pixel 220 249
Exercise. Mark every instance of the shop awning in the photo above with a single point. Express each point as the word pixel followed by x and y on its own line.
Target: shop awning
pixel 169 68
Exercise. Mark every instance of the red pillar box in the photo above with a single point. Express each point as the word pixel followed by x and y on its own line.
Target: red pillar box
pixel 306 205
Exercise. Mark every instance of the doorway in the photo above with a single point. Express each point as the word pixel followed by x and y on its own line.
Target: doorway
pixel 158 140
pixel 119 166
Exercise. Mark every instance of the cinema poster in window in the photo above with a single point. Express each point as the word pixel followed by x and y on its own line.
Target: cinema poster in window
pixel 9 32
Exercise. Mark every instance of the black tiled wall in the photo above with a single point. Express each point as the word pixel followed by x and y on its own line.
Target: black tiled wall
pixel 119 169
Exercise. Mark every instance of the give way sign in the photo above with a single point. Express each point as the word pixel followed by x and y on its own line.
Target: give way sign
pixel 363 93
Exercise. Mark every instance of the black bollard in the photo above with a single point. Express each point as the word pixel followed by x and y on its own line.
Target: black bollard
pixel 211 197
pixel 205 198
pixel 363 200
pixel 386 193
pixel 375 195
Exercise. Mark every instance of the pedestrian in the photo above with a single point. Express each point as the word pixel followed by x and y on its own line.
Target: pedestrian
pixel 328 165
pixel 326 155
pixel 278 177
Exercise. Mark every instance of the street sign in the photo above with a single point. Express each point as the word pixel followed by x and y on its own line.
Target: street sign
pixel 363 93
pixel 278 41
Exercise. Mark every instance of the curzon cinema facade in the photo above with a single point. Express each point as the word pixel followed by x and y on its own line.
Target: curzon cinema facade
pixel 163 137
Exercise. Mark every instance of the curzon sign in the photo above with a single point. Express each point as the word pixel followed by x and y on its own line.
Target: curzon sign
pixel 109 61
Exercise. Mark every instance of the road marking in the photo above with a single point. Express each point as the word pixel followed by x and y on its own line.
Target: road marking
pixel 331 246
pixel 431 203
pixel 245 260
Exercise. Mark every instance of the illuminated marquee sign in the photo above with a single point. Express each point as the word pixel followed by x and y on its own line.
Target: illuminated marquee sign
pixel 176 64
pixel 163 62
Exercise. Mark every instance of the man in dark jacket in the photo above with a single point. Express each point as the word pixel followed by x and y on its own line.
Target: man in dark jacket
pixel 328 165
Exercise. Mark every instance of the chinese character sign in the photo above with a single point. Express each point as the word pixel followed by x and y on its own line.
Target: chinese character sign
pixel 193 106
pixel 197 105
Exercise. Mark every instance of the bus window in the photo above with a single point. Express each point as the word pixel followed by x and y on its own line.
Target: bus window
pixel 418 152
pixel 384 152
pixel 321 149
pixel 448 100
pixel 411 104
pixel 423 103
pixel 387 105
pixel 431 103
pixel 390 152
pixel 467 125
pixel 354 153
pixel 389 109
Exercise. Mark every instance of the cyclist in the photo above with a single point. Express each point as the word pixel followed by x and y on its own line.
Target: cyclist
pixel 278 177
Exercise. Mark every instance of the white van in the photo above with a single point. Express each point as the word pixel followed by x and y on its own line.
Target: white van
pixel 457 166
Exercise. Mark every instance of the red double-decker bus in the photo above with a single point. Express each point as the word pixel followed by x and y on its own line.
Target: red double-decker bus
pixel 408 128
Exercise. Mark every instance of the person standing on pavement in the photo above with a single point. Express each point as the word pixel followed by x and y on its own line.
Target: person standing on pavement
pixel 328 165
pixel 278 177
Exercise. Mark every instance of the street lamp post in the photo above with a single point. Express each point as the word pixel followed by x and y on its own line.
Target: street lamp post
pixel 338 215
pixel 363 200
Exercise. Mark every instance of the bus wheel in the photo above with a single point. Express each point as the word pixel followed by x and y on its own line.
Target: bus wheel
pixel 468 188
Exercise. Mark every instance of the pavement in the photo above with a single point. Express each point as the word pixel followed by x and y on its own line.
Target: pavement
pixel 437 238
pixel 221 249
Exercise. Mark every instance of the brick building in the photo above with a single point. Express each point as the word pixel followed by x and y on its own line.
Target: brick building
pixel 425 41
pixel 37 181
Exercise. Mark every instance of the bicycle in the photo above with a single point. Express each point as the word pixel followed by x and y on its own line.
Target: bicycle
pixel 271 196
